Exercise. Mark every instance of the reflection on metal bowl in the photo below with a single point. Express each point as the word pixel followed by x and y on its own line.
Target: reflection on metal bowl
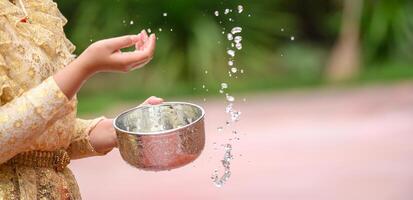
pixel 161 137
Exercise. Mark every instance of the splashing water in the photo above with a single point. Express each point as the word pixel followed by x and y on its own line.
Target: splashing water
pixel 131 22
pixel 226 163
pixel 238 46
pixel 230 37
pixel 230 98
pixel 224 85
pixel 235 43
pixel 231 53
pixel 234 70
pixel 236 30
pixel 292 38
pixel 240 9
pixel 165 14
pixel 238 39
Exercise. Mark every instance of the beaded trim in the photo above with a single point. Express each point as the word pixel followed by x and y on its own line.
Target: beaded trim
pixel 55 159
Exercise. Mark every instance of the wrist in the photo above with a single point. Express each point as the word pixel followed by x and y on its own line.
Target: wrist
pixel 84 68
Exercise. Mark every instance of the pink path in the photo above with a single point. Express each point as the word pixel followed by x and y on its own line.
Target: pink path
pixel 312 145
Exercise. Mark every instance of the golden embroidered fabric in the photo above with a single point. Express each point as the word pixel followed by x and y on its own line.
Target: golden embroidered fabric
pixel 34 114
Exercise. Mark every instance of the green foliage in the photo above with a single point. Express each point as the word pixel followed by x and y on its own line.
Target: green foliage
pixel 195 44
pixel 388 30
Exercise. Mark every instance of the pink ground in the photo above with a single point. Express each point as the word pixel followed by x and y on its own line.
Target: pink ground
pixel 312 145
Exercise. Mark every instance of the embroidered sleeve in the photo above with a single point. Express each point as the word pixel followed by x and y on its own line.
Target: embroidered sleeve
pixel 27 116
pixel 80 146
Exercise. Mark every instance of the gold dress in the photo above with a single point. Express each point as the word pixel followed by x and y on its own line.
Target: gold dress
pixel 39 131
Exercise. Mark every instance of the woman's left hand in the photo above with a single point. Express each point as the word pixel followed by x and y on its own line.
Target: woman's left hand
pixel 103 136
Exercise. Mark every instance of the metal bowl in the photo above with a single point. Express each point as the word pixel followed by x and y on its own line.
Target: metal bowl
pixel 161 137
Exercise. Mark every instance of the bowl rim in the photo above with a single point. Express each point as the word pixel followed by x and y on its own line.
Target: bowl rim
pixel 158 132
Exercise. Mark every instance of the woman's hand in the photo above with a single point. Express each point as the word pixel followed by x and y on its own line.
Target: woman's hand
pixel 103 136
pixel 106 55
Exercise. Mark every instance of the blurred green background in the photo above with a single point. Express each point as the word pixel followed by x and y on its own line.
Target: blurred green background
pixel 347 42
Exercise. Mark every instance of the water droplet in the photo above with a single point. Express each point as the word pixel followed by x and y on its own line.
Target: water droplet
pixel 204 100
pixel 242 71
pixel 224 85
pixel 249 15
pixel 220 128
pixel 124 21
pixel 292 38
pixel 221 91
pixel 131 22
pixel 226 11
pixel 230 36
pixel 230 19
pixel 217 13
pixel 160 29
pixel 240 9
pixel 282 29
pixel 230 63
pixel 203 86
pixel 238 46
pixel 172 29
pixel 230 98
pixel 165 14
pixel 244 100
pixel 206 71
pixel 149 30
pixel 238 39
pixel 236 30
pixel 234 70
pixel 235 116
pixel 231 53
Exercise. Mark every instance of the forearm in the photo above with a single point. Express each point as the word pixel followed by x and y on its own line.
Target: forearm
pixel 28 116
pixel 71 78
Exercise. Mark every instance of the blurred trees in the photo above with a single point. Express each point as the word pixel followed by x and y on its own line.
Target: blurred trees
pixel 344 62
pixel 191 41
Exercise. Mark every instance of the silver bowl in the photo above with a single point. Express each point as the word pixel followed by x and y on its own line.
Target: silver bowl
pixel 161 137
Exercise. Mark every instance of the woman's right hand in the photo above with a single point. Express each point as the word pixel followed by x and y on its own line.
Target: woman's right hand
pixel 106 55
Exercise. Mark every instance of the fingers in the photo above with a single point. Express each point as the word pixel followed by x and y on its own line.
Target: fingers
pixel 122 42
pixel 153 101
pixel 142 40
pixel 129 58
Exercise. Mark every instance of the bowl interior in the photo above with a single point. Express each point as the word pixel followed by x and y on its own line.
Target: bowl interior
pixel 159 118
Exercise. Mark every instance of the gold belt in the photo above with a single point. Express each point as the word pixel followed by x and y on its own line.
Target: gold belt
pixel 58 159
